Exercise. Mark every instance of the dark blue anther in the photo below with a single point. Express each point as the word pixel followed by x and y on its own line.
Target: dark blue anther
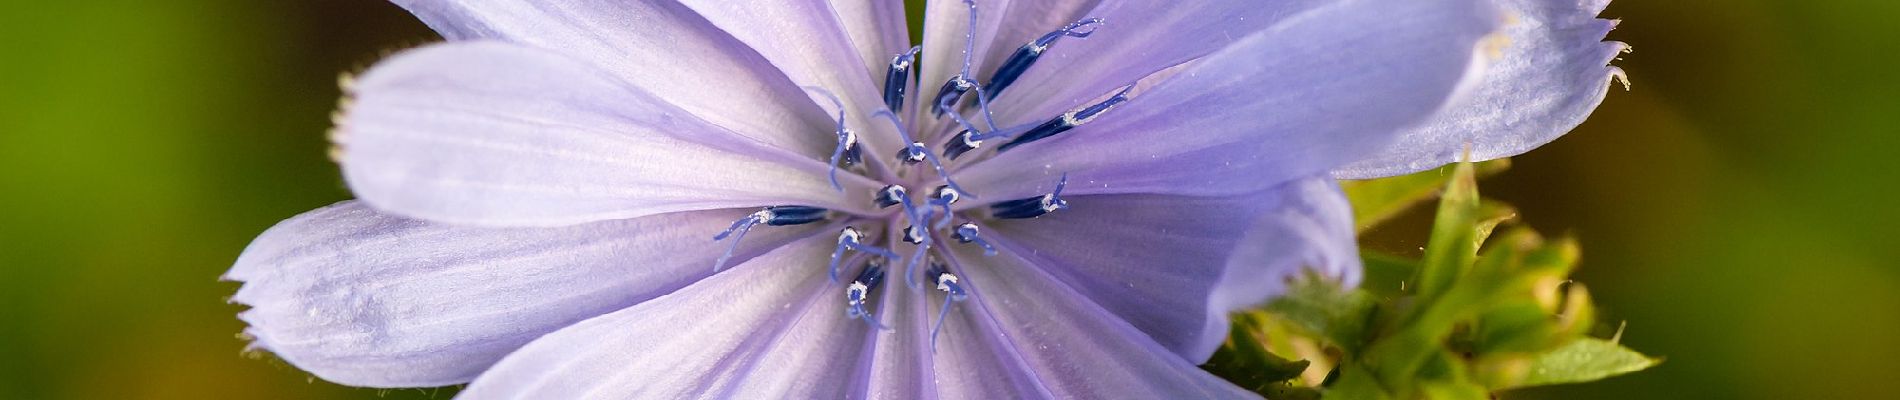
pixel 942 198
pixel 1067 121
pixel 847 153
pixel 961 143
pixel 969 233
pixel 853 239
pixel 1019 62
pixel 954 88
pixel 889 196
pixel 912 154
pixel 1033 206
pixel 952 288
pixel 947 95
pixel 772 216
pixel 917 216
pixel 914 234
pixel 897 78
pixel 920 151
pixel 858 293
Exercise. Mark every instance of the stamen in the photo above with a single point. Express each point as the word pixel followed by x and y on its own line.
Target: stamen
pixel 889 196
pixel 919 149
pixel 1026 56
pixel 952 288
pixel 953 90
pixel 943 197
pixel 1068 120
pixel 848 152
pixel 969 233
pixel 963 142
pixel 859 291
pixel 853 239
pixel 897 78
pixel 917 216
pixel 912 154
pixel 914 234
pixel 772 216
pixel 1032 207
pixel 949 93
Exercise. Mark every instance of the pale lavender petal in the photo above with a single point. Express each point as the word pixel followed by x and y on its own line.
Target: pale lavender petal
pixel 806 40
pixel 1308 227
pixel 773 327
pixel 1149 259
pixel 498 134
pixel 1049 336
pixel 1137 38
pixel 1174 266
pixel 1294 100
pixel 877 29
pixel 364 298
pixel 658 46
pixel 1553 73
pixel 900 365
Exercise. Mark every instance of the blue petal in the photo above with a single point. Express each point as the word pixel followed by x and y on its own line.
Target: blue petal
pixel 1553 73
pixel 1297 99
pixel 658 46
pixel 496 134
pixel 364 298
pixel 773 327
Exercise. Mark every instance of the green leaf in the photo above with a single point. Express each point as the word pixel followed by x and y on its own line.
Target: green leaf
pixel 1584 360
pixel 1386 275
pixel 1356 383
pixel 1378 200
pixel 1244 359
pixel 1453 243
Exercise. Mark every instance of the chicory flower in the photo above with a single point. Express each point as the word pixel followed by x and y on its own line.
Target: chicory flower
pixel 785 199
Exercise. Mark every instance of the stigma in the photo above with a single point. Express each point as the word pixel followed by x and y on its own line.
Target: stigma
pixel 859 291
pixel 897 78
pixel 1026 56
pixel 1032 207
pixel 770 216
pixel 1068 120
pixel 852 239
pixel 952 288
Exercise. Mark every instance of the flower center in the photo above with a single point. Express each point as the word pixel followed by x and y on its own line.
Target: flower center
pixel 920 220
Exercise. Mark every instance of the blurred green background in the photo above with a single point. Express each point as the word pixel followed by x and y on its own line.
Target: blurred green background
pixel 1736 208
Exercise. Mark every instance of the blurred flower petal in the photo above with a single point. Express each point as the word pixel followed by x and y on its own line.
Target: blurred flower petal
pixel 1553 73
pixel 497 134
pixel 369 299
pixel 1306 227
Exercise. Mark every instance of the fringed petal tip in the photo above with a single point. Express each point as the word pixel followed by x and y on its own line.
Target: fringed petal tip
pixel 1554 72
